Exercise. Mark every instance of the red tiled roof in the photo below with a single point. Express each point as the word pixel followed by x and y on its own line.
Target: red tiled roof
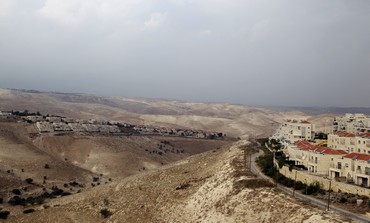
pixel 365 135
pixel 305 145
pixel 358 156
pixel 344 134
pixel 305 122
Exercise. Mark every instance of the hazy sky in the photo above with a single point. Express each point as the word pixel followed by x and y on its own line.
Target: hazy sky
pixel 309 53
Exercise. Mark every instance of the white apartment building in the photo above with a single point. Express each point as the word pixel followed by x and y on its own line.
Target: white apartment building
pixel 316 159
pixel 292 130
pixel 354 167
pixel 350 142
pixel 352 123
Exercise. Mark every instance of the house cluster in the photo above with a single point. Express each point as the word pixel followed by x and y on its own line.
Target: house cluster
pixel 58 124
pixel 345 158
pixel 177 132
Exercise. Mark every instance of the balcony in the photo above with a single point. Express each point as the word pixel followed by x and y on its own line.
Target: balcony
pixel 334 166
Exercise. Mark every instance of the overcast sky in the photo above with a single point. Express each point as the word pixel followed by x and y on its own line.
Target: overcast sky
pixel 299 53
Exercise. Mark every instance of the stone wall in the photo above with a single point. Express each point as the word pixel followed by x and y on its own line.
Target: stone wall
pixel 336 186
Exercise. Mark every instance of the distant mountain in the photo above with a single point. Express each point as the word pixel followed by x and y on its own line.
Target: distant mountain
pixel 321 110
pixel 234 120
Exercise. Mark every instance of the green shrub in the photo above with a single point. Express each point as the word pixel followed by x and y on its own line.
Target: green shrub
pixel 343 199
pixel 4 214
pixel 16 191
pixel 299 185
pixel 27 211
pixel 105 213
pixel 314 188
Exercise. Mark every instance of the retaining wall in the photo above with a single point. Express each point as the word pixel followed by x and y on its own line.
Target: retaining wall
pixel 336 186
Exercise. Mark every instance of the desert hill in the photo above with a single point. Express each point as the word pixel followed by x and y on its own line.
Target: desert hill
pixel 141 178
pixel 234 120
pixel 210 187
pixel 76 162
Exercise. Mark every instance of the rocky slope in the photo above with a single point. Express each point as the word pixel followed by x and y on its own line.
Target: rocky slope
pixel 208 187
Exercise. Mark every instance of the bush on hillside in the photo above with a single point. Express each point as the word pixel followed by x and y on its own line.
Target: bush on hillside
pixel 27 211
pixel 105 213
pixel 4 214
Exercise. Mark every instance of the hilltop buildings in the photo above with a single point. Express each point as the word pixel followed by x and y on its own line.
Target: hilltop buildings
pixel 294 130
pixel 346 157
pixel 352 123
pixel 350 142
pixel 53 124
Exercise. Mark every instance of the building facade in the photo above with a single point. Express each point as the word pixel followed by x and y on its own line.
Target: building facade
pixel 350 142
pixel 353 167
pixel 292 130
pixel 316 159
pixel 352 123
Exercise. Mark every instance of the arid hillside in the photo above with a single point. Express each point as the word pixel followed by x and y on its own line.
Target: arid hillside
pixel 214 186
pixel 32 163
pixel 234 120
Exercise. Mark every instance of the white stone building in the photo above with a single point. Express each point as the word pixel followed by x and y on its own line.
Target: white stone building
pixel 316 159
pixel 292 130
pixel 352 123
pixel 350 142
pixel 354 167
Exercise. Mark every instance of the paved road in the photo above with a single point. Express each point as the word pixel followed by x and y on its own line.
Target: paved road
pixel 257 171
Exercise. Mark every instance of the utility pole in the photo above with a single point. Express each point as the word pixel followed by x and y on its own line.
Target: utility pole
pixel 275 169
pixel 329 194
pixel 295 179
pixel 306 185
pixel 250 156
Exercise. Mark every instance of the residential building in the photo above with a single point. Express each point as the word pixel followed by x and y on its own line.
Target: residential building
pixel 350 142
pixel 353 167
pixel 316 159
pixel 352 123
pixel 292 130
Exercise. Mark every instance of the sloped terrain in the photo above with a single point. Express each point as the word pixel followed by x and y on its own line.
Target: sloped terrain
pixel 234 120
pixel 75 162
pixel 208 187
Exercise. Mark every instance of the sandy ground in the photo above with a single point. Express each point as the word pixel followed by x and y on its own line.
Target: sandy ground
pixel 202 188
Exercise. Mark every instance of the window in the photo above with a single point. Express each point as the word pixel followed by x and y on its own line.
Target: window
pixel 346 165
